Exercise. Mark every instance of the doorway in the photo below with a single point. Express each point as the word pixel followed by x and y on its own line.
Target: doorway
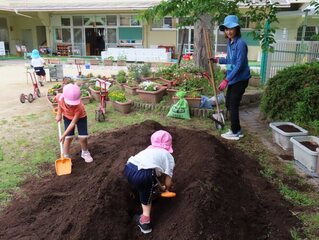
pixel 26 35
pixel 94 41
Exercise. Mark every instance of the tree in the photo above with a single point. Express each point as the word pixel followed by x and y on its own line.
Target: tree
pixel 206 13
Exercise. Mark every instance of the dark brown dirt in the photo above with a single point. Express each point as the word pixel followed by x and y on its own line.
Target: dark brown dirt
pixel 310 145
pixel 220 195
pixel 288 128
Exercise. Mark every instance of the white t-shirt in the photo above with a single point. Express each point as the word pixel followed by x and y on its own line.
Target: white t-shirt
pixel 37 62
pixel 157 158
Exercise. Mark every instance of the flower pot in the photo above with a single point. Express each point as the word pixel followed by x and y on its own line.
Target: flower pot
pixel 130 90
pixel 96 94
pixel 51 102
pixel 171 92
pixel 254 81
pixel 87 99
pixel 160 80
pixel 282 137
pixel 192 102
pixel 108 62
pixel 151 96
pixel 121 63
pixel 123 107
pixel 304 148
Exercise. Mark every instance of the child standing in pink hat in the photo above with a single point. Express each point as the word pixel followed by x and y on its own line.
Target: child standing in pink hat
pixel 142 170
pixel 74 114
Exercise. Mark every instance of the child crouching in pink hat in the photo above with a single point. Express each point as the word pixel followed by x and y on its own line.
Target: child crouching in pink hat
pixel 142 170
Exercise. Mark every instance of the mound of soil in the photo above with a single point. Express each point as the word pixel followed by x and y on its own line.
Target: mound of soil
pixel 220 195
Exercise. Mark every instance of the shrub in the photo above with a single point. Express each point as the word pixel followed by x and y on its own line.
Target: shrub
pixel 293 94
pixel 121 76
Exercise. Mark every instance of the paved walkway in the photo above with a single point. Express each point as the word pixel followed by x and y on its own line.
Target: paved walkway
pixel 251 120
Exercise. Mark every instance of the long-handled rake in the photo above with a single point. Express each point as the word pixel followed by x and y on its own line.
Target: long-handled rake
pixel 219 117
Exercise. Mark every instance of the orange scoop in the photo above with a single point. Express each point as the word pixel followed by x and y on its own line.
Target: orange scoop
pixel 63 166
pixel 168 194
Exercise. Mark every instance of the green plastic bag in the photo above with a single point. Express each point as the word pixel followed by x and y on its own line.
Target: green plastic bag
pixel 180 109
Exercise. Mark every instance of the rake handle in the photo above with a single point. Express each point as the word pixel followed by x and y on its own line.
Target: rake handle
pixel 211 69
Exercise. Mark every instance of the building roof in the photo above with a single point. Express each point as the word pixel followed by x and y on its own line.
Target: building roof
pixel 82 5
pixel 75 5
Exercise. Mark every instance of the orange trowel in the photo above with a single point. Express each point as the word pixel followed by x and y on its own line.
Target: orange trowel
pixel 165 193
pixel 63 166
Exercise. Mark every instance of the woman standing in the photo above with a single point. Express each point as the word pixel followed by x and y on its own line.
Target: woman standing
pixel 237 74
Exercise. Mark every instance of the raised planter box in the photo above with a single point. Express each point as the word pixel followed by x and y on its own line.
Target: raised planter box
pixel 160 80
pixel 304 155
pixel 254 81
pixel 130 90
pixel 87 99
pixel 281 137
pixel 96 94
pixel 192 102
pixel 123 107
pixel 151 96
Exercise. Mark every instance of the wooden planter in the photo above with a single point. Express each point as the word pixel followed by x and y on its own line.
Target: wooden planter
pixel 171 92
pixel 123 107
pixel 151 96
pixel 192 102
pixel 94 62
pixel 130 90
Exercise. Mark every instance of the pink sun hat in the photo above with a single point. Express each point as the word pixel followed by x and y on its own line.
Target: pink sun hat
pixel 71 94
pixel 161 139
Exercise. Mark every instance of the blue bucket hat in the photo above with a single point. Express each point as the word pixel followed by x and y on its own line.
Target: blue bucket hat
pixel 35 53
pixel 230 21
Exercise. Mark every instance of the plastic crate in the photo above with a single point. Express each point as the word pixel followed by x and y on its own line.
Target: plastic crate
pixel 283 138
pixel 302 154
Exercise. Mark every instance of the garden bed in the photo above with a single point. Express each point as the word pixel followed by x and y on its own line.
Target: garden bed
pixel 220 195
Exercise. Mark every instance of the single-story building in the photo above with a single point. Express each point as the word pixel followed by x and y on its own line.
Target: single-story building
pixel 85 28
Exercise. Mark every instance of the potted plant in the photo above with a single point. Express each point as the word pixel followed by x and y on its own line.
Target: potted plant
pixel 108 61
pixel 254 81
pixel 193 98
pixel 119 101
pixel 150 92
pixel 85 95
pixel 121 78
pixel 121 60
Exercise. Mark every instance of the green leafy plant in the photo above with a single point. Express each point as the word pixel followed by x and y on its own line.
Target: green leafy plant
pixel 193 94
pixel 121 58
pixel 118 96
pixel 121 76
pixel 301 82
pixel 111 58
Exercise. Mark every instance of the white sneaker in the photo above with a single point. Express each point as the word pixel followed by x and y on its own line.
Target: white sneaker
pixel 86 156
pixel 231 136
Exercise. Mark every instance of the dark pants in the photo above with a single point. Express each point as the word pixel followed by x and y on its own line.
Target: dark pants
pixel 142 180
pixel 233 97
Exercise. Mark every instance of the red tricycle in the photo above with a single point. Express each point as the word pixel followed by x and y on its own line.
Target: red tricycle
pixel 100 111
pixel 36 91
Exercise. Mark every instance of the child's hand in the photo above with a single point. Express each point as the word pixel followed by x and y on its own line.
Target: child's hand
pixel 58 118
pixel 62 138
pixel 168 182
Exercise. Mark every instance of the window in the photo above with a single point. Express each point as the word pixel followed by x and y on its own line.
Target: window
pixel 65 21
pixel 63 35
pixel 77 21
pixel 127 20
pixel 111 35
pixel 310 31
pixel 165 23
pixel 111 20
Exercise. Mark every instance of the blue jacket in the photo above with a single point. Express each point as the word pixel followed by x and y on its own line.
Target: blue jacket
pixel 237 61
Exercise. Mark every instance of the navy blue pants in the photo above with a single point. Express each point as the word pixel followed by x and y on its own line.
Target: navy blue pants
pixel 142 180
